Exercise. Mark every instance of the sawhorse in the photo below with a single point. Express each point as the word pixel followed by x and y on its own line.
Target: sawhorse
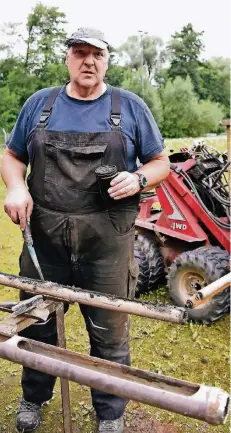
pixel 25 313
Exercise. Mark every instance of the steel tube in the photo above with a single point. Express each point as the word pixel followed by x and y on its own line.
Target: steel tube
pixel 192 400
pixel 203 295
pixel 74 295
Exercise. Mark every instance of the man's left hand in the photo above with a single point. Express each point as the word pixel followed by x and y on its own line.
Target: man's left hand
pixel 125 184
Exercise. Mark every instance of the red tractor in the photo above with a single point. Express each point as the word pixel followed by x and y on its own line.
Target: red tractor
pixel 183 231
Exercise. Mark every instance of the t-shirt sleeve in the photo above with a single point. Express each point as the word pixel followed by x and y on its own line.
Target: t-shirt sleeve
pixel 17 140
pixel 150 141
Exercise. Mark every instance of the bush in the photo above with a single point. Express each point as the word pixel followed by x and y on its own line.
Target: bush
pixel 184 115
pixel 209 115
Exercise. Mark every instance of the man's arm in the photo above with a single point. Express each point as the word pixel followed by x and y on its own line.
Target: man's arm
pixel 127 184
pixel 18 202
pixel 156 170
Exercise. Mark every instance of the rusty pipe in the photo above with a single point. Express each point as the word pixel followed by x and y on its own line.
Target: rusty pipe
pixel 192 400
pixel 205 294
pixel 74 295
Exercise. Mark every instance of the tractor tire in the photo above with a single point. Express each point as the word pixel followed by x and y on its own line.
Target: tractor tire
pixel 154 259
pixel 144 271
pixel 193 270
pixel 157 274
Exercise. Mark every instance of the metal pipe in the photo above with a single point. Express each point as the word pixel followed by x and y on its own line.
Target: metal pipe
pixel 205 294
pixel 192 400
pixel 74 295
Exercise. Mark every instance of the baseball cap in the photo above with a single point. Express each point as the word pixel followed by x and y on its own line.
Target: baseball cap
pixel 89 36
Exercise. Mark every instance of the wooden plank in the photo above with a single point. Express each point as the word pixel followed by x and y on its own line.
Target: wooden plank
pixel 11 325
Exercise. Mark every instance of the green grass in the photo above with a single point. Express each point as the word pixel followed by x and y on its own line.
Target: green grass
pixel 191 352
pixel 218 142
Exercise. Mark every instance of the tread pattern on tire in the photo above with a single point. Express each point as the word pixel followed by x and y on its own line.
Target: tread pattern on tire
pixel 213 261
pixel 144 270
pixel 154 258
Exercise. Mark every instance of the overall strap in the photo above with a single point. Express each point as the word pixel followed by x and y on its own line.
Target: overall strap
pixel 48 107
pixel 115 109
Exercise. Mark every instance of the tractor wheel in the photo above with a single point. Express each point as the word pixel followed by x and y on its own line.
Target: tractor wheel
pixel 193 270
pixel 155 260
pixel 144 271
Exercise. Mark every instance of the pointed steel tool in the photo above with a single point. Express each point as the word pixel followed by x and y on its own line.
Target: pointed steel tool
pixel 29 242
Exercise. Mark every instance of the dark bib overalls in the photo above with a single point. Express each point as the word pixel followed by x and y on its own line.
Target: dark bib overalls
pixel 81 240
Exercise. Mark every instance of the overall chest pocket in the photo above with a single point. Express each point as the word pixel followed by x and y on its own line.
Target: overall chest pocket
pixel 73 168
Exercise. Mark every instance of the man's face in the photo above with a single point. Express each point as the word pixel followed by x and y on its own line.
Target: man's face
pixel 87 65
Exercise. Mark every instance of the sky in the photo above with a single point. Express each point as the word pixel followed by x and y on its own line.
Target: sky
pixel 119 19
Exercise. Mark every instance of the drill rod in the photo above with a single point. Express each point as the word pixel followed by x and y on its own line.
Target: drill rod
pixel 73 295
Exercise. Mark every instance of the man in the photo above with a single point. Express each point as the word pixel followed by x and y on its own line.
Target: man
pixel 80 238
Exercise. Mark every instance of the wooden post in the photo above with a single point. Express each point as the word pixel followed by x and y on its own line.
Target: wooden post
pixel 65 392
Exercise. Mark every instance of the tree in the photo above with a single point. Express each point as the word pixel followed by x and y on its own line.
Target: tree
pixel 43 66
pixel 148 50
pixel 161 77
pixel 46 37
pixel 183 51
pixel 133 82
pixel 6 66
pixel 115 75
pixel 214 82
pixel 184 115
pixel 9 107
pixel 23 85
pixel 180 108
pixel 175 103
pixel 53 74
pixel 209 114
pixel 154 54
pixel 10 36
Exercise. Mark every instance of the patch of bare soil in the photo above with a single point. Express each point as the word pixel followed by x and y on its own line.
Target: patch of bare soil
pixel 140 421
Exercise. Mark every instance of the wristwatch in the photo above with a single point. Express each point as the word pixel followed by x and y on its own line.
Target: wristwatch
pixel 142 180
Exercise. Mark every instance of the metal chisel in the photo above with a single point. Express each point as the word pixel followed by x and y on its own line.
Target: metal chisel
pixel 29 242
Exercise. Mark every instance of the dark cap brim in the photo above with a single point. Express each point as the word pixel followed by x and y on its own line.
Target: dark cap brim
pixel 90 41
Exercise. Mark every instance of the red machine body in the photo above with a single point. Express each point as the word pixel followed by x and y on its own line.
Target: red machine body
pixel 183 231
pixel 182 217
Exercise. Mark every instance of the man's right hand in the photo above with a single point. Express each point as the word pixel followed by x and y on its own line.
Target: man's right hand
pixel 18 205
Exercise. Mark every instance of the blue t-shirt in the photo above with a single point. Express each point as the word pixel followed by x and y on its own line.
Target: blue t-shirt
pixel 74 115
